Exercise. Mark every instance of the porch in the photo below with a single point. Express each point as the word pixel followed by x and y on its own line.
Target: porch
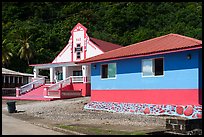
pixel 67 80
pixel 61 71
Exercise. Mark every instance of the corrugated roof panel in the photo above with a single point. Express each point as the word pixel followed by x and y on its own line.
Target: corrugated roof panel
pixel 11 72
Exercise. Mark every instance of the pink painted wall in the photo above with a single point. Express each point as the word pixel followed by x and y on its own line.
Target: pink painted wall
pixel 164 96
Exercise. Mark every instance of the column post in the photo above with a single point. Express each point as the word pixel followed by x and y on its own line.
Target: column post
pixel 52 75
pixel 64 72
pixel 84 73
pixel 36 72
pixel 17 91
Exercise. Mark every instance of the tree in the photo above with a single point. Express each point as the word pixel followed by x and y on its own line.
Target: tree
pixel 25 51
pixel 42 29
pixel 6 52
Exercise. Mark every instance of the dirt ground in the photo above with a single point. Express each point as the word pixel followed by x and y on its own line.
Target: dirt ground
pixel 71 112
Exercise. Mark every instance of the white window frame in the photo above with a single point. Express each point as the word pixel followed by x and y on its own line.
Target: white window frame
pixel 108 77
pixel 153 64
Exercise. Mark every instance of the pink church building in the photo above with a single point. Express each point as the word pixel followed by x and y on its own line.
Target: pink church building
pixel 72 79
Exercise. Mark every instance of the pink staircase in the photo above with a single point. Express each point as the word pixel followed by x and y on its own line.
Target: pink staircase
pixel 71 87
pixel 35 94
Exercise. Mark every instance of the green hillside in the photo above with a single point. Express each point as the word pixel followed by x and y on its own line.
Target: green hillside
pixel 35 32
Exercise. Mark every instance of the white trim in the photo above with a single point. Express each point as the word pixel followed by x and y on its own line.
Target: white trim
pixel 54 65
pixel 153 67
pixel 107 77
pixel 76 79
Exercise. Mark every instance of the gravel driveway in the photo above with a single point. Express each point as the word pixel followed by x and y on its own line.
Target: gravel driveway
pixel 72 112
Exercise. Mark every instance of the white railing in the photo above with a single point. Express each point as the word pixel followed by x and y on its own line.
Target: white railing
pixel 55 90
pixel 36 83
pixel 76 79
pixel 58 85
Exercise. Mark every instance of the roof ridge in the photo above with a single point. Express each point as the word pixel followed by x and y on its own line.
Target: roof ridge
pixel 186 37
pixel 180 43
pixel 159 37
pixel 127 46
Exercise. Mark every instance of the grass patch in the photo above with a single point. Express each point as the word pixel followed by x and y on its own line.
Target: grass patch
pixel 98 131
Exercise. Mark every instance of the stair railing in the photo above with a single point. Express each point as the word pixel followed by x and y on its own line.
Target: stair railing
pixel 59 84
pixel 28 87
pixel 76 79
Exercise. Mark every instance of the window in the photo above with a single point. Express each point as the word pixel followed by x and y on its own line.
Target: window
pixel 20 80
pixel 78 55
pixel 147 68
pixel 16 80
pixel 159 69
pixel 11 79
pixel 6 79
pixel 78 51
pixel 3 79
pixel 108 70
pixel 25 80
pixel 104 71
pixel 77 73
pixel 153 67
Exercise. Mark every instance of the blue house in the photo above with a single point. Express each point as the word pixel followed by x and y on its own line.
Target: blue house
pixel 160 76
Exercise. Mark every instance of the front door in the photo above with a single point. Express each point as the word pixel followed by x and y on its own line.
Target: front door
pixel 59 76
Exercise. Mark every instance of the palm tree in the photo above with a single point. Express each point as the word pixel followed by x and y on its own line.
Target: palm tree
pixel 6 52
pixel 25 51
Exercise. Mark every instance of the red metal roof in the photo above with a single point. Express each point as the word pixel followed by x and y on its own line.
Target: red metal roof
pixel 104 45
pixel 163 44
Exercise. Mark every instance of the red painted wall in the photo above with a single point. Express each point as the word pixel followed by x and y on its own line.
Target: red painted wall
pixel 163 96
pixel 84 87
pixel 68 87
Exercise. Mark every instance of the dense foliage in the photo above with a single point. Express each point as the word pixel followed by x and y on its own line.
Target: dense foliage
pixel 35 32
